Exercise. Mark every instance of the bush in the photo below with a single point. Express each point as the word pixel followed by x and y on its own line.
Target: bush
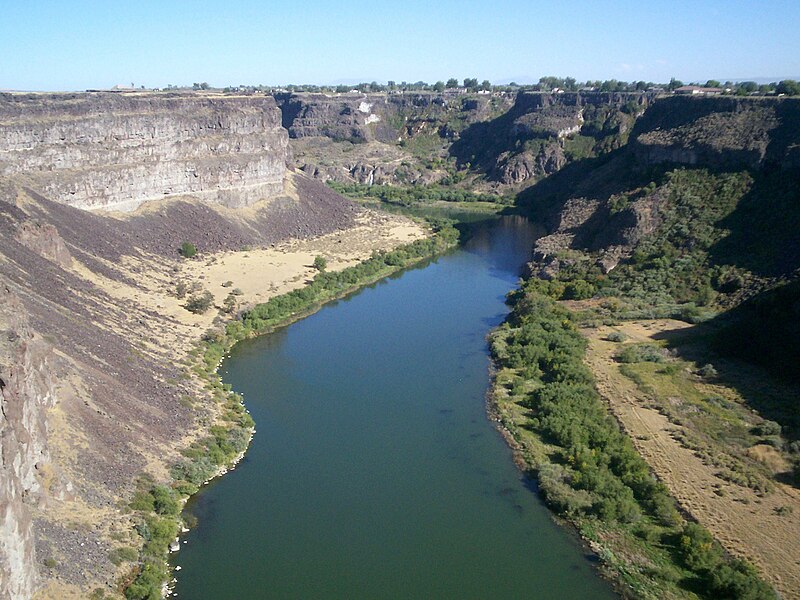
pixel 199 304
pixel 616 336
pixel 641 353
pixel 121 555
pixel 707 371
pixel 767 428
pixel 578 290
pixel 188 250
pixel 320 263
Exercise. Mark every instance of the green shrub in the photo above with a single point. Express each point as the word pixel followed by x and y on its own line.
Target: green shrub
pixel 320 263
pixel 199 303
pixel 188 250
pixel 641 353
pixel 124 554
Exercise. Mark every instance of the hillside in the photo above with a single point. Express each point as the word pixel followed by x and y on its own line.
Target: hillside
pixel 657 208
pixel 97 394
pixel 695 219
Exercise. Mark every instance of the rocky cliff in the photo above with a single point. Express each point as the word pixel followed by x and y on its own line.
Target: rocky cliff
pixel 93 391
pixel 116 151
pixel 720 132
pixel 26 392
pixel 725 166
pixel 381 138
pixel 541 133
pixel 503 142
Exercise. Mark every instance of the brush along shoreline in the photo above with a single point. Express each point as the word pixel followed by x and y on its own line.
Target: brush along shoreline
pixel 233 429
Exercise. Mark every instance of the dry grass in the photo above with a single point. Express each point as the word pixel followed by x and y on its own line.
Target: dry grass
pixel 763 528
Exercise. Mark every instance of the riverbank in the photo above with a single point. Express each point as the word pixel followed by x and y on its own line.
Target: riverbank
pixel 589 471
pixel 231 431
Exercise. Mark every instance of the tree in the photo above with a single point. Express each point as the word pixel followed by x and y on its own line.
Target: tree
pixel 674 84
pixel 199 304
pixel 320 263
pixel 486 85
pixel 438 86
pixel 790 87
pixel 747 87
pixel 188 250
pixel 471 83
pixel 452 83
pixel 229 304
pixel 713 83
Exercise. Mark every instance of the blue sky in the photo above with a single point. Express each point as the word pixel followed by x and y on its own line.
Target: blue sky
pixel 74 45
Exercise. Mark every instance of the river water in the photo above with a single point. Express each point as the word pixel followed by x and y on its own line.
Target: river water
pixel 375 472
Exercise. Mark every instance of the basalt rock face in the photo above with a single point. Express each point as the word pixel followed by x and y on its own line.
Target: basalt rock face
pixel 720 132
pixel 116 151
pixel 371 138
pixel 542 132
pixel 26 391
pixel 606 208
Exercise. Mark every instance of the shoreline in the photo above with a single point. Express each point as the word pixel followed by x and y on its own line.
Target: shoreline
pixel 206 373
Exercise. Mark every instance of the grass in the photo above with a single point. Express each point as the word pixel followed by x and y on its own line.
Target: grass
pixel 588 471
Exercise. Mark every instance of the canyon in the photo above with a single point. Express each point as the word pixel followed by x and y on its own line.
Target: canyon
pixel 98 191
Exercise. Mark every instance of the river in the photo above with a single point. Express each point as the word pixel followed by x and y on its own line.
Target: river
pixel 375 472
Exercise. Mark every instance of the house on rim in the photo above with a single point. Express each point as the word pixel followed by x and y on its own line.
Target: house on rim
pixel 696 90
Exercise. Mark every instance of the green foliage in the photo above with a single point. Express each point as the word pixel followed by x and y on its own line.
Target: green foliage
pixel 641 353
pixel 229 304
pixel 673 265
pixel 594 471
pixel 320 263
pixel 188 250
pixel 789 87
pixel 124 554
pixel 579 289
pixel 409 195
pixel 601 473
pixel 199 303
pixel 718 577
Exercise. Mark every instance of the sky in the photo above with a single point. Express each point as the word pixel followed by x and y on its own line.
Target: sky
pixel 82 44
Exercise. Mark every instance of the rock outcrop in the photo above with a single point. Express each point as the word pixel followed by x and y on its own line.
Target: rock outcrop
pixel 26 391
pixel 719 132
pixel 115 151
pixel 369 138
pixel 543 132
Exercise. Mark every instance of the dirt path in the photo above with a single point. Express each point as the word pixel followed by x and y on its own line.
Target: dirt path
pixel 747 525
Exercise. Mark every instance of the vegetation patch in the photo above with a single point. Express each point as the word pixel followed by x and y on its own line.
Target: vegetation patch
pixel 417 194
pixel 588 469
pixel 159 505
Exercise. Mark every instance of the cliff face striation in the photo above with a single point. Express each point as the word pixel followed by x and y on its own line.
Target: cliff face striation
pixel 381 138
pixel 542 133
pixel 116 151
pixel 26 392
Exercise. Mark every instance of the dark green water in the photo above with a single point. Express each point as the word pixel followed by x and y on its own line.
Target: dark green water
pixel 375 472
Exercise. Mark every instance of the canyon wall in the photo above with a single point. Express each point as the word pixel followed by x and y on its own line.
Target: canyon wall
pixel 720 132
pixel 115 151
